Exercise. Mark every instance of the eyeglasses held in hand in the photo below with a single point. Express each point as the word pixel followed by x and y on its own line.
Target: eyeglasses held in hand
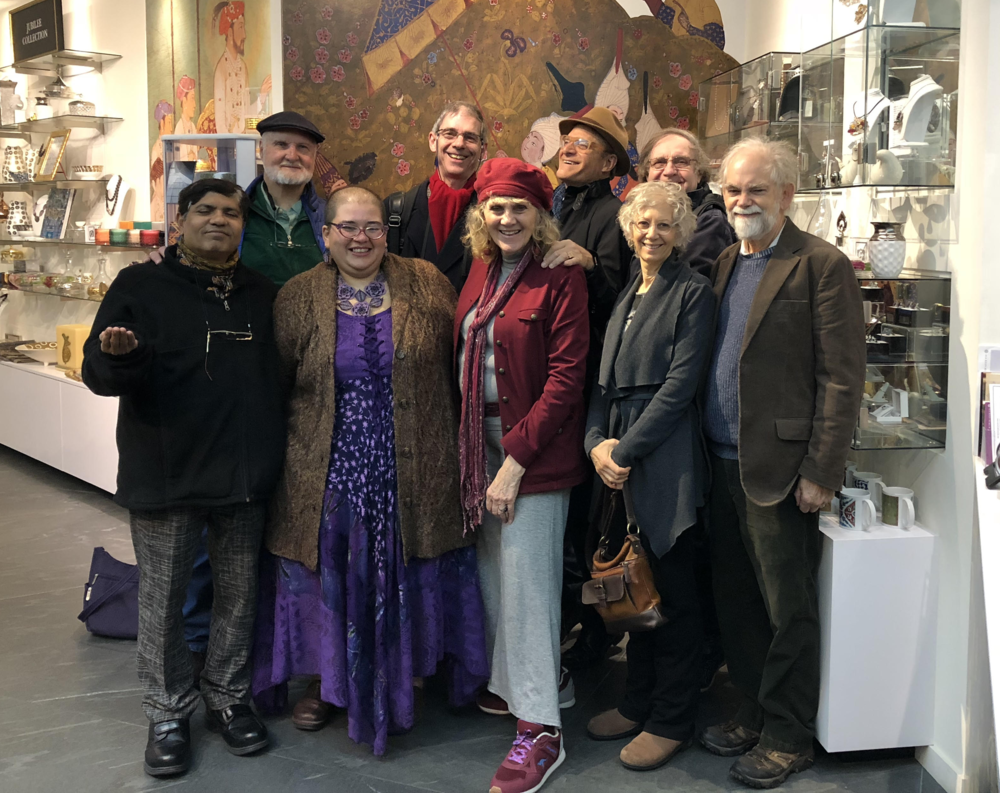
pixel 580 143
pixel 452 134
pixel 373 231
pixel 231 335
pixel 680 163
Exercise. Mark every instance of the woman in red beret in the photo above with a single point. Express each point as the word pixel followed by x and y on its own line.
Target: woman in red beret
pixel 521 341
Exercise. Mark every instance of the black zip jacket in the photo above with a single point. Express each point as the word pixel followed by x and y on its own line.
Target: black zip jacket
pixel 193 430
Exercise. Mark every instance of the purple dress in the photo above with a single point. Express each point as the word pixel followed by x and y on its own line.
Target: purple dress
pixel 364 622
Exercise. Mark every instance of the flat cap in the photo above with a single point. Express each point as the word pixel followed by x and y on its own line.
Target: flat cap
pixel 289 119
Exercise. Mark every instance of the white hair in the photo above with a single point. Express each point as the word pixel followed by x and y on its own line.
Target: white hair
pixel 784 163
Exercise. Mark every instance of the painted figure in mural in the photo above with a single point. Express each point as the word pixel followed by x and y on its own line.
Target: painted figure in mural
pixel 676 156
pixel 432 214
pixel 188 102
pixel 521 342
pixel 594 149
pixel 201 441
pixel 775 463
pixel 232 82
pixel 644 438
pixel 164 116
pixel 371 583
pixel 542 143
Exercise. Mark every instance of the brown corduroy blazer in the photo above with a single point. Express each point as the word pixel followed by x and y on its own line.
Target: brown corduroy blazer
pixel 425 414
pixel 802 366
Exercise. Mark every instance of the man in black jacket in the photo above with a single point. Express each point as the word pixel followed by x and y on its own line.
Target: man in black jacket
pixel 188 348
pixel 428 221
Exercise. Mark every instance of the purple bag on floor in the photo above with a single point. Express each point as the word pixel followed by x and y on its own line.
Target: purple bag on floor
pixel 111 597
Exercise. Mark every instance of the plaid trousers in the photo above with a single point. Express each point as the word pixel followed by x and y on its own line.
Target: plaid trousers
pixel 165 543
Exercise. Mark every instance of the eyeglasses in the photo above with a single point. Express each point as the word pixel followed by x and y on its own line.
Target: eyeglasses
pixel 373 231
pixel 680 163
pixel 231 335
pixel 581 143
pixel 645 225
pixel 452 134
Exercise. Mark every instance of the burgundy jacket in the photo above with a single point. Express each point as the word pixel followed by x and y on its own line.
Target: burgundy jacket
pixel 541 338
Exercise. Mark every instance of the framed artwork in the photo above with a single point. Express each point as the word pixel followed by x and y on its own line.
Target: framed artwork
pixel 51 156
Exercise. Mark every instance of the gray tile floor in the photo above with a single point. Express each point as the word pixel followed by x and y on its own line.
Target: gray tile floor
pixel 69 702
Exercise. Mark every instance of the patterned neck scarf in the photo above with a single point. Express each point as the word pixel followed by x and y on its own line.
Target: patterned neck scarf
pixel 471 432
pixel 222 273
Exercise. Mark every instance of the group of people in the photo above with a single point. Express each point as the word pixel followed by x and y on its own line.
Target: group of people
pixel 372 467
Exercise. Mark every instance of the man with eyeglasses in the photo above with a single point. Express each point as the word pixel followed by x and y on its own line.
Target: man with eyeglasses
pixel 428 221
pixel 676 156
pixel 188 347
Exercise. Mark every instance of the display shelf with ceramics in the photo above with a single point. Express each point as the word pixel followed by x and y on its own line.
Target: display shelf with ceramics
pixel 755 98
pixel 879 107
pixel 905 400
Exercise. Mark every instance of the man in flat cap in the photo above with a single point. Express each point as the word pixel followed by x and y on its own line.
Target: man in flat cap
pixel 283 237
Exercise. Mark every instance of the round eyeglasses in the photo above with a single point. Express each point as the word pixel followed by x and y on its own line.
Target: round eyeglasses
pixel 373 231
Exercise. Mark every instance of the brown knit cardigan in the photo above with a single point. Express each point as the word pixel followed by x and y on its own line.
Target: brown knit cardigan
pixel 425 409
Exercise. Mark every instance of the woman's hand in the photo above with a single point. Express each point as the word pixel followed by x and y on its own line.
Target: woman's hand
pixel 612 474
pixel 503 489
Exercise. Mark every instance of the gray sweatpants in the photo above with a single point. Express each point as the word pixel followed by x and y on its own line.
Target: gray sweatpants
pixel 520 573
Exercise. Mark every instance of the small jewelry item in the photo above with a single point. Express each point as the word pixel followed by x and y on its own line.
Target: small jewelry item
pixel 859 125
pixel 860 14
pixel 841 228
pixel 360 302
pixel 111 200
pixel 897 125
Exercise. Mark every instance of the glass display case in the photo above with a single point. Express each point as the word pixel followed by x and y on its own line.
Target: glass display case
pixel 906 375
pixel 879 107
pixel 755 98
pixel 189 157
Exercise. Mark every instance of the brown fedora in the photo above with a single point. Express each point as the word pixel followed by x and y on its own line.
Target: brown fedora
pixel 606 124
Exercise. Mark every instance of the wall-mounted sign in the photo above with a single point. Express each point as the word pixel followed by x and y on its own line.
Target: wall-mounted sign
pixel 36 29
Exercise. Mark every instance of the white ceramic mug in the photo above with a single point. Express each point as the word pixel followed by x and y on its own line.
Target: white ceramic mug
pixel 872 482
pixel 857 510
pixel 849 474
pixel 897 507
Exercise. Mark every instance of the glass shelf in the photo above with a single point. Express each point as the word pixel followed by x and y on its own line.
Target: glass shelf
pixel 41 241
pixel 60 122
pixel 50 63
pixel 53 294
pixel 53 285
pixel 68 184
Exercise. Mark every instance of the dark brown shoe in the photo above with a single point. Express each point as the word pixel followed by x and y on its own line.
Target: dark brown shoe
pixel 767 768
pixel 728 739
pixel 311 712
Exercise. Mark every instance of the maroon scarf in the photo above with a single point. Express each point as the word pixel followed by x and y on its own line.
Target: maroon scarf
pixel 471 433
pixel 446 205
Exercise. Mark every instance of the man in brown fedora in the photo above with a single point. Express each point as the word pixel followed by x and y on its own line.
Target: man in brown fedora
pixel 594 148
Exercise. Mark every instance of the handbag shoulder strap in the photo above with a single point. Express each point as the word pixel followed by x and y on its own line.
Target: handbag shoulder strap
pixel 94 605
pixel 633 524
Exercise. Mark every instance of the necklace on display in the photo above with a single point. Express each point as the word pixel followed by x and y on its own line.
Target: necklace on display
pixel 41 202
pixel 111 201
pixel 360 302
pixel 859 124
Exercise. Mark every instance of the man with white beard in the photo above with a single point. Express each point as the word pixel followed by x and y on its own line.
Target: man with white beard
pixel 284 233
pixel 781 402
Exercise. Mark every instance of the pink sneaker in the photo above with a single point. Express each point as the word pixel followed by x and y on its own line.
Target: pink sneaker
pixel 536 753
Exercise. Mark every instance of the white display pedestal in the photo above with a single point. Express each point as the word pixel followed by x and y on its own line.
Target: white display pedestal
pixel 877 608
pixel 59 422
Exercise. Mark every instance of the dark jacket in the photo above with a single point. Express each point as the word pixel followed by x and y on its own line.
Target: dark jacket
pixel 712 235
pixel 645 397
pixel 425 409
pixel 589 218
pixel 802 366
pixel 312 204
pixel 540 341
pixel 194 429
pixel 418 241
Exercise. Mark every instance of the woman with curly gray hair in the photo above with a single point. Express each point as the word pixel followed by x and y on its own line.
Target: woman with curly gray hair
pixel 644 438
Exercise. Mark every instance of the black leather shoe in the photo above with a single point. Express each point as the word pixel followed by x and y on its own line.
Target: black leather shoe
pixel 168 750
pixel 239 726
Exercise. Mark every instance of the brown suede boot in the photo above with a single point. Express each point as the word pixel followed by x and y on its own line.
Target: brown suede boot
pixel 647 751
pixel 311 712
pixel 612 726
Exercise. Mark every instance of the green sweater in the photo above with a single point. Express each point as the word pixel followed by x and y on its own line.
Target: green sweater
pixel 266 246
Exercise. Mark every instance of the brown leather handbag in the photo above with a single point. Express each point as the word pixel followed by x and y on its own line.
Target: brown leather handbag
pixel 622 587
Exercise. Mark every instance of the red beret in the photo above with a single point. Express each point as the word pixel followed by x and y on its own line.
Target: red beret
pixel 509 177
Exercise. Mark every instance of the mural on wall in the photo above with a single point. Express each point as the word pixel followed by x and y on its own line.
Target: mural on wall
pixel 373 74
pixel 209 70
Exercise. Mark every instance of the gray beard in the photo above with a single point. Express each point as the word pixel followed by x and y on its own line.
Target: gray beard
pixel 752 227
pixel 275 175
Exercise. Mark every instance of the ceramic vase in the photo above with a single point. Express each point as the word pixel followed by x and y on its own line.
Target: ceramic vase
pixel 18 222
pixel 887 250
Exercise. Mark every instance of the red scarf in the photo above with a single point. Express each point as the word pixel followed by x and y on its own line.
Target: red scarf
pixel 471 432
pixel 446 206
